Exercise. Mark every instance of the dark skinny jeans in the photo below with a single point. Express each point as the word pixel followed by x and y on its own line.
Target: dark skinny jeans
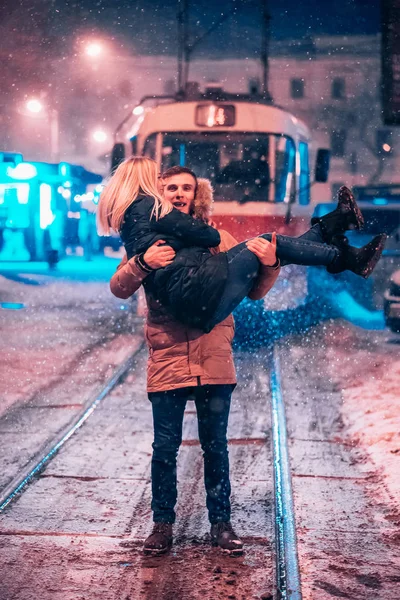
pixel 212 405
pixel 243 266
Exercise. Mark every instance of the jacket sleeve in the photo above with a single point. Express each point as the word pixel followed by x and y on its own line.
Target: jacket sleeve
pixel 265 281
pixel 191 231
pixel 266 276
pixel 127 279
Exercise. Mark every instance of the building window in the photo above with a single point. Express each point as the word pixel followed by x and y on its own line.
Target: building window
pixel 338 89
pixel 297 88
pixel 125 89
pixel 338 142
pixel 254 86
pixel 384 142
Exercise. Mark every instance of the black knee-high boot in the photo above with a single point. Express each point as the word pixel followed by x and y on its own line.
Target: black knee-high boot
pixel 346 216
pixel 361 261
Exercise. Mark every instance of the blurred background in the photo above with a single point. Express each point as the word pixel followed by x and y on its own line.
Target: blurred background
pixel 83 85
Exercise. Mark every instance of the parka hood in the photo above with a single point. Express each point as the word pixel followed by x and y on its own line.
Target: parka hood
pixel 203 200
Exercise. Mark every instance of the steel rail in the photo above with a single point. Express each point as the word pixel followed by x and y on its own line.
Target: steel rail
pixel 40 461
pixel 287 568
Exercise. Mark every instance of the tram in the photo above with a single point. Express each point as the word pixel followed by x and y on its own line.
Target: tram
pixel 257 156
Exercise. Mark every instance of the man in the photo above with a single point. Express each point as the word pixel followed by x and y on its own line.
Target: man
pixel 187 364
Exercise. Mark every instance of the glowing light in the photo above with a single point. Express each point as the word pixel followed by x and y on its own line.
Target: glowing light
pixel 22 171
pixel 46 216
pixel 94 49
pixel 22 190
pixel 138 110
pixel 99 136
pixel 34 106
pixel 12 305
pixel 64 169
pixel 386 147
pixel 66 194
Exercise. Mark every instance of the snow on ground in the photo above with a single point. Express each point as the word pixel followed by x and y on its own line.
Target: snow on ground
pixel 366 366
pixel 62 316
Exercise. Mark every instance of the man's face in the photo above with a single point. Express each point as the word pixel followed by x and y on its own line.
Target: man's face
pixel 180 190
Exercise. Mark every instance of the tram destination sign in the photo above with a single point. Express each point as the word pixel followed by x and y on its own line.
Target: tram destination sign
pixel 390 56
pixel 215 115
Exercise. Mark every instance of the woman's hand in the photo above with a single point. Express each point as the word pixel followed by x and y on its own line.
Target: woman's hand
pixel 158 256
pixel 264 250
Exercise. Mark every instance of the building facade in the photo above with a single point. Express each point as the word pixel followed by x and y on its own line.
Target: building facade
pixel 331 83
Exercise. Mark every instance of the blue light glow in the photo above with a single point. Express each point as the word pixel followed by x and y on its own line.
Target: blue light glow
pixel 22 171
pixel 63 169
pixel 46 214
pixel 379 201
pixel 12 305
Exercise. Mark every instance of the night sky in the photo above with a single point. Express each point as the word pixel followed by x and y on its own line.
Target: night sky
pixel 149 26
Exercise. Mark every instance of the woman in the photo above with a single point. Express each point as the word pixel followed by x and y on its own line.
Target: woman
pixel 198 287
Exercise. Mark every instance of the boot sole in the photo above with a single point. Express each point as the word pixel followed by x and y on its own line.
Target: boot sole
pixel 366 272
pixel 234 552
pixel 156 552
pixel 151 552
pixel 344 192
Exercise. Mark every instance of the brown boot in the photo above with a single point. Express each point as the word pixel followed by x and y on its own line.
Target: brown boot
pixel 222 535
pixel 160 539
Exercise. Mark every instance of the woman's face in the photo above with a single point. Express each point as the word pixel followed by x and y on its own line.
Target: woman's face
pixel 180 190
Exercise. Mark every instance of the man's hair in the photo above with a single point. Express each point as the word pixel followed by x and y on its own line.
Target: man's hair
pixel 178 171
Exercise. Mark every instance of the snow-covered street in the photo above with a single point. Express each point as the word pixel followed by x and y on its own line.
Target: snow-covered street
pixel 77 530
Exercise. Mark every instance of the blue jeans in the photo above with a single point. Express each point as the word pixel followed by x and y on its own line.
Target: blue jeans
pixel 212 405
pixel 243 266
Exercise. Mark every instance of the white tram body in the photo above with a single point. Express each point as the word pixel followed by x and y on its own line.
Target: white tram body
pixel 256 156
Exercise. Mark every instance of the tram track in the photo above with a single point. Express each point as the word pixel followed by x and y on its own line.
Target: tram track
pixel 287 568
pixel 95 495
pixel 240 446
pixel 39 462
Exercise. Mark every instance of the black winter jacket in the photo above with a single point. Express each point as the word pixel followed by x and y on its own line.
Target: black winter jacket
pixel 192 285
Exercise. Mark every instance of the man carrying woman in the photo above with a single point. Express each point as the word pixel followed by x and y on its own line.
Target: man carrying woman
pixel 192 284
pixel 185 363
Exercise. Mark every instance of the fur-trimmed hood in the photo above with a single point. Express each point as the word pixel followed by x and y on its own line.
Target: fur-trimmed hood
pixel 203 200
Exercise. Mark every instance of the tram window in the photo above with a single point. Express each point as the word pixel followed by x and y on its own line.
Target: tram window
pixel 304 182
pixel 285 158
pixel 241 166
pixel 150 146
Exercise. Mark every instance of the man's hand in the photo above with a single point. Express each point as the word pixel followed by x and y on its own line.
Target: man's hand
pixel 264 250
pixel 158 256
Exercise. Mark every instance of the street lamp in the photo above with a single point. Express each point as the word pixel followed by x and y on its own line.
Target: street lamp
pixel 100 136
pixel 36 107
pixel 94 49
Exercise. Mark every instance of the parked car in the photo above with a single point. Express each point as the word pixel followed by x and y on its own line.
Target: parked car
pixel 391 303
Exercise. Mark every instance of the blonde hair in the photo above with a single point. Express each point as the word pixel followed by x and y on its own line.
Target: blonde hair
pixel 134 177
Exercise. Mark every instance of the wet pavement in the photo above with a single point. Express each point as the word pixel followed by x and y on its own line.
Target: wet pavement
pixel 77 531
pixel 347 520
pixel 90 511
